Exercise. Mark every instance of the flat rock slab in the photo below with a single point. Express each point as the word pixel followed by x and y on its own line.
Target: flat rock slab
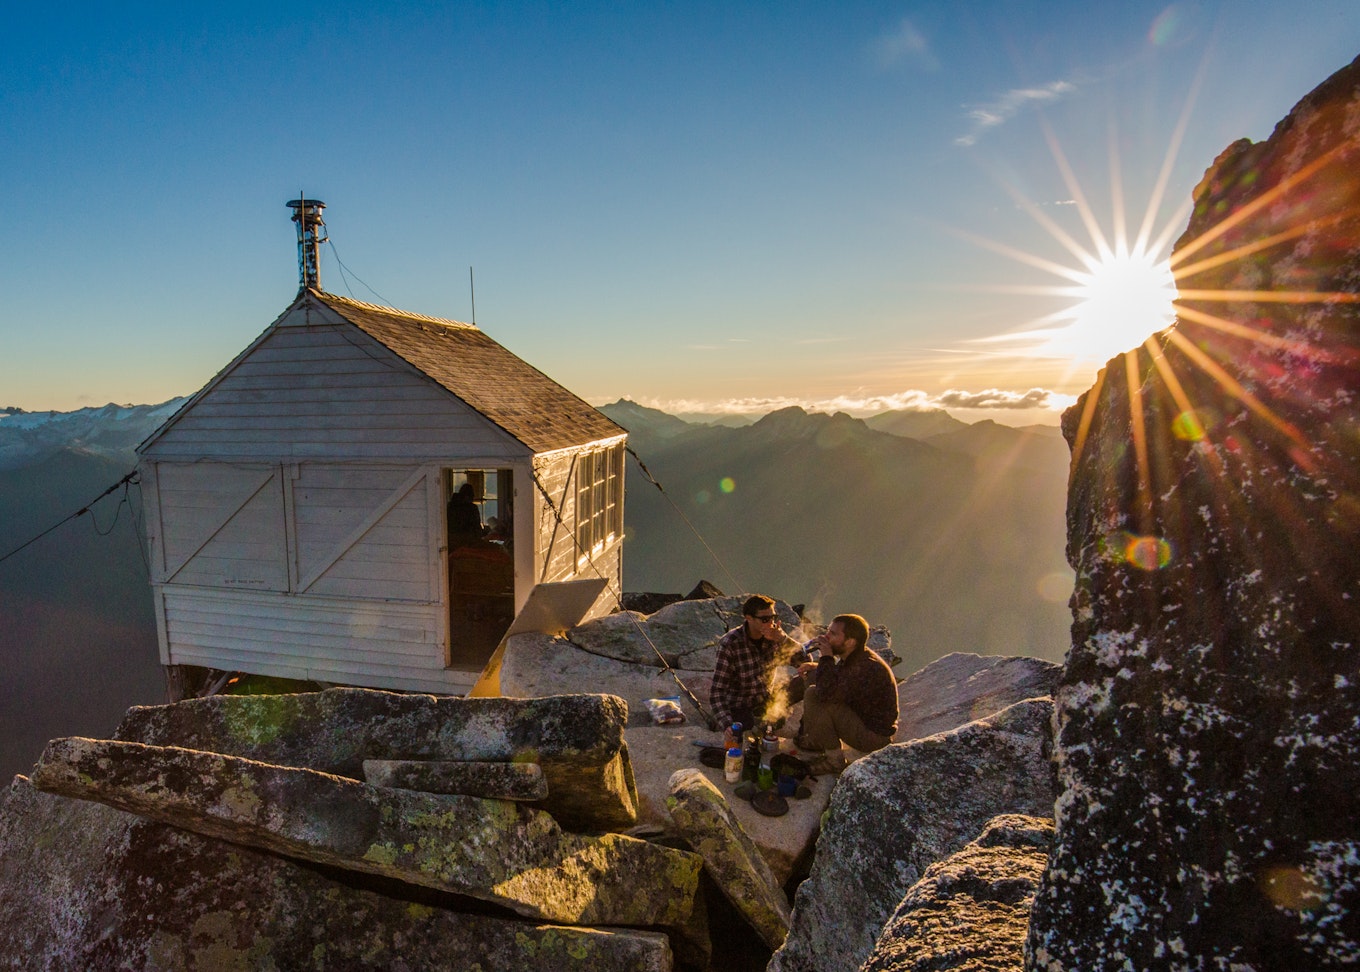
pixel 706 821
pixel 85 886
pixel 577 739
pixel 495 850
pixel 961 687
pixel 899 810
pixel 495 781
pixel 536 663
pixel 970 911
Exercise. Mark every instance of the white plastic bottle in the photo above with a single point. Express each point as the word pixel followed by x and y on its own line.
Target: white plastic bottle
pixel 732 765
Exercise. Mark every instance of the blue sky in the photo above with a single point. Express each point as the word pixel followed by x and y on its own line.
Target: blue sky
pixel 691 205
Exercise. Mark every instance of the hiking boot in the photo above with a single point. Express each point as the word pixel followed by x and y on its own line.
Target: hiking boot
pixel 828 763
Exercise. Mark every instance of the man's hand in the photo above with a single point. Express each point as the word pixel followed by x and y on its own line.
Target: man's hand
pixel 806 669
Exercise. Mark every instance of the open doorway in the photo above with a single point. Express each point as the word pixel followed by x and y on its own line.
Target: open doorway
pixel 481 569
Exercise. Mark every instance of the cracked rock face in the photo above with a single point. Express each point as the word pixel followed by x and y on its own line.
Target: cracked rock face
pixel 1208 717
pixel 969 912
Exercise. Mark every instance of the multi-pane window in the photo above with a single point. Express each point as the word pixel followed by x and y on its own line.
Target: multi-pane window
pixel 599 499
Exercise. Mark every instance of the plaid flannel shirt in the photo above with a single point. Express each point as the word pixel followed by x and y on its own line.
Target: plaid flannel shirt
pixel 745 670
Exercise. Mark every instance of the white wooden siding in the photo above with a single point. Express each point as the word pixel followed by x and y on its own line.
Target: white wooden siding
pixel 378 644
pixel 222 525
pixel 331 392
pixel 363 532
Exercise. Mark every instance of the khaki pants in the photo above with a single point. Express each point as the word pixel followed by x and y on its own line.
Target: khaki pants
pixel 828 724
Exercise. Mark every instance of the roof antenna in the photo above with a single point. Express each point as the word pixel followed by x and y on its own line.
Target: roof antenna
pixel 310 225
pixel 472 288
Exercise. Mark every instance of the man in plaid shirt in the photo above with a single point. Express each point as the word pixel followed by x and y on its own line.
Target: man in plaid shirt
pixel 743 679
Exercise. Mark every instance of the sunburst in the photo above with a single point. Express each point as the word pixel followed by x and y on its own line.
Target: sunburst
pixel 1118 287
pixel 1193 327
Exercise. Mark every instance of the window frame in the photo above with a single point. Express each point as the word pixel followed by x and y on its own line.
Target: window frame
pixel 599 501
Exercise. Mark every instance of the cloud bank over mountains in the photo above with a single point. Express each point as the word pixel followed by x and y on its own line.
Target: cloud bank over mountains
pixel 1046 404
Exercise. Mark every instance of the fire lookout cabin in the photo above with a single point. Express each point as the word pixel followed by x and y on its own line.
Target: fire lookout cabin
pixel 365 496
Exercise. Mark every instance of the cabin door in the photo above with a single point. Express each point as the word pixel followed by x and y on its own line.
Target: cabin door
pixel 481 562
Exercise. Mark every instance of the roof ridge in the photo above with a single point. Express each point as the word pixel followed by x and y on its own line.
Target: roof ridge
pixel 409 315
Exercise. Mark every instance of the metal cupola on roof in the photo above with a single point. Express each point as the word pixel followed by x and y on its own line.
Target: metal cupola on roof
pixel 310 226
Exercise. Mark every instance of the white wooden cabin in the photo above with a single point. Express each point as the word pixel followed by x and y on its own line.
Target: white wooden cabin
pixel 297 506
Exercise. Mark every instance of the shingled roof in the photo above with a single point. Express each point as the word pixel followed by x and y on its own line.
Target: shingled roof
pixel 461 358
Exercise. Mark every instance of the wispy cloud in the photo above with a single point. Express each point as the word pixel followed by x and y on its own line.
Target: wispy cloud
pixel 904 45
pixel 997 398
pixel 1011 103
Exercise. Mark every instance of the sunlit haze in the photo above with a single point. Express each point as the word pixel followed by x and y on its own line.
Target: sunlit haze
pixel 705 208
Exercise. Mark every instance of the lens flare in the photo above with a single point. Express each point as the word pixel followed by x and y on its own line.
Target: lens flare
pixel 727 484
pixel 1188 427
pixel 1145 553
pixel 1165 27
pixel 1292 888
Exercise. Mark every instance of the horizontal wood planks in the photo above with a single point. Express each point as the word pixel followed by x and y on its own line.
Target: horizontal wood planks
pixel 323 392
pixel 385 645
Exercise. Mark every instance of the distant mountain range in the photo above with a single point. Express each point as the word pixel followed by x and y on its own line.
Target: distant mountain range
pixel 954 539
pixel 112 431
pixel 77 630
pixel 950 534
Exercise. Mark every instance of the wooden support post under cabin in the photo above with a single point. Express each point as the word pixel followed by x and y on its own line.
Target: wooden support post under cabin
pixel 184 681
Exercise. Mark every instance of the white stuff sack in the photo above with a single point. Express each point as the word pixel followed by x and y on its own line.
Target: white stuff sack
pixel 666 712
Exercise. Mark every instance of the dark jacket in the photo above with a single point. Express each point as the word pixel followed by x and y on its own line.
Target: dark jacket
pixel 864 683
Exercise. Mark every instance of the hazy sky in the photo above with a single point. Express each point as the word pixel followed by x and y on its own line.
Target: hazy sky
pixel 818 203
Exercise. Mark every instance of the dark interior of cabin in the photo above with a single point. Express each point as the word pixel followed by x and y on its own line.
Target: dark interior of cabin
pixel 481 567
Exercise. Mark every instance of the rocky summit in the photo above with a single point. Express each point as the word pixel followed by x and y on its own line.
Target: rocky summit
pixel 1208 717
pixel 354 828
pixel 139 865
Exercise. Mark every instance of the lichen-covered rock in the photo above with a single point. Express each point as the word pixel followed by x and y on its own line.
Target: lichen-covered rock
pixel 576 739
pixel 706 821
pixel 961 687
pixel 85 886
pixel 1208 718
pixel 970 911
pixel 897 811
pixel 495 850
pixel 686 633
pixel 496 781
